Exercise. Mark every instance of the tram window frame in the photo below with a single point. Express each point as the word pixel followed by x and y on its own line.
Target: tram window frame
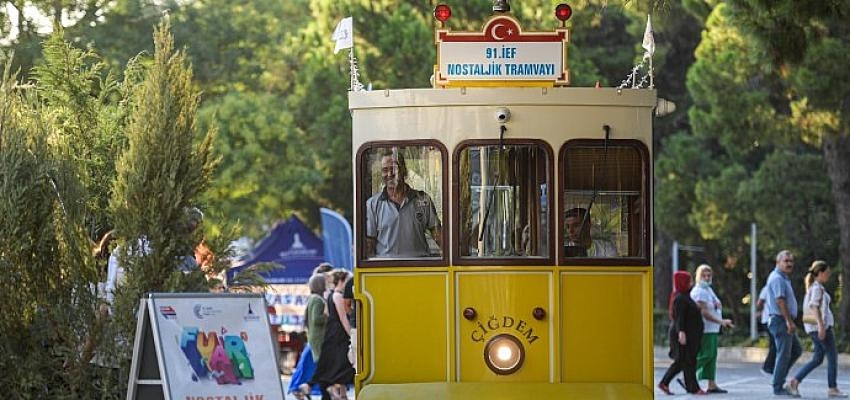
pixel 457 259
pixel 643 232
pixel 363 172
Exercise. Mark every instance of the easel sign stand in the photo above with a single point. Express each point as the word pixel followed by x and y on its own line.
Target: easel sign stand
pixel 199 346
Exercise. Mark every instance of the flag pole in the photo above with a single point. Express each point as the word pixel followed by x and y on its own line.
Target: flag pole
pixel 651 74
pixel 649 47
pixel 356 86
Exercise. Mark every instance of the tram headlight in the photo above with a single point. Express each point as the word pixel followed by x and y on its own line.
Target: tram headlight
pixel 504 354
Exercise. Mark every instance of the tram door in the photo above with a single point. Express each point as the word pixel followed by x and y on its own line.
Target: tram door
pixel 510 326
pixel 505 305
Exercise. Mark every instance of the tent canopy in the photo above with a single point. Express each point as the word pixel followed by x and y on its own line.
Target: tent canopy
pixel 292 246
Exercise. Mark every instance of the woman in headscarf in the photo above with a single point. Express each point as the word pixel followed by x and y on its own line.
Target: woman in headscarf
pixel 685 335
pixel 712 319
pixel 316 318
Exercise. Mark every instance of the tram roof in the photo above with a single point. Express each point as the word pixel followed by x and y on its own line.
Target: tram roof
pixel 463 96
pixel 554 114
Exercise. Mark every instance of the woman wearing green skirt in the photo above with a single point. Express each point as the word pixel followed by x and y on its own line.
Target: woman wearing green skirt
pixel 712 317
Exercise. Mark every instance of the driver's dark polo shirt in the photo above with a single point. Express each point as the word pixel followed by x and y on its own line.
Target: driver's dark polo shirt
pixel 400 229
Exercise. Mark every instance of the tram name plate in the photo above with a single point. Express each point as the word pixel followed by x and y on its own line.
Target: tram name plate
pixel 501 52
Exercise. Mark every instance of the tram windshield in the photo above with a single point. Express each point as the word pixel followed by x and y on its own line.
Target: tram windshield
pixel 503 201
pixel 604 211
pixel 403 188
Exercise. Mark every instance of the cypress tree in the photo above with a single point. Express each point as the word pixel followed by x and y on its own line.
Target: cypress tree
pixel 165 168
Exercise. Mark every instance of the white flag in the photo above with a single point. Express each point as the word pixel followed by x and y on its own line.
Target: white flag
pixel 648 38
pixel 344 35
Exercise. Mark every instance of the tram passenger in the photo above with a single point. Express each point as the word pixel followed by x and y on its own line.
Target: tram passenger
pixel 685 335
pixel 712 318
pixel 580 243
pixel 399 218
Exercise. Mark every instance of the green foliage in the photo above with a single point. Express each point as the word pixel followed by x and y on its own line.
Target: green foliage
pixel 256 138
pixel 791 199
pixel 806 41
pixel 682 163
pixel 83 103
pixel 45 251
pixel 162 173
pixel 740 121
pixel 745 163
pixel 603 44
pixel 827 58
pixel 121 30
pixel 231 43
pixel 716 210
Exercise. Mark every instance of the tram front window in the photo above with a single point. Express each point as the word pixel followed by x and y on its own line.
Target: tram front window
pixel 503 201
pixel 604 211
pixel 403 208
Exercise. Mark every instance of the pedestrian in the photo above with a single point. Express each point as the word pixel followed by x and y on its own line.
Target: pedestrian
pixel 770 359
pixel 782 308
pixel 818 322
pixel 685 335
pixel 299 385
pixel 712 318
pixel 334 371
pixel 316 318
pixel 351 311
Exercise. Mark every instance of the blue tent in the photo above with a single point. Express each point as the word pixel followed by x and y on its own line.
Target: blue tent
pixel 291 245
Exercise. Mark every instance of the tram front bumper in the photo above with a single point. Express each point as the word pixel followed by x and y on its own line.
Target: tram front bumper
pixel 504 391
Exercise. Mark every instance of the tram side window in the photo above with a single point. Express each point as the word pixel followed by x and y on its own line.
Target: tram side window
pixel 503 201
pixel 604 209
pixel 403 187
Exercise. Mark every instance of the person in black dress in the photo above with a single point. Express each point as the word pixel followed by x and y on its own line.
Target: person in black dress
pixel 685 335
pixel 334 371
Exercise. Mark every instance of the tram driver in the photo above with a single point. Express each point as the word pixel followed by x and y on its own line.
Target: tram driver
pixel 579 241
pixel 401 222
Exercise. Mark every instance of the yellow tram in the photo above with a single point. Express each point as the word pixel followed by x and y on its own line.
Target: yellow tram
pixel 503 228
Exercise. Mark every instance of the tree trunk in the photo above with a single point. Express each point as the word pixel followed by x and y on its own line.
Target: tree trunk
pixel 836 154
pixel 662 275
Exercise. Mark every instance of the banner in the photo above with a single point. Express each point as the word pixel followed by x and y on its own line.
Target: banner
pixel 216 347
pixel 287 306
pixel 337 239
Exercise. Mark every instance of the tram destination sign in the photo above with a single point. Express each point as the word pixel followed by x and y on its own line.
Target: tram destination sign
pixel 502 54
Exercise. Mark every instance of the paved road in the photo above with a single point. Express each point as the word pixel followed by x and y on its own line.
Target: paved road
pixel 737 372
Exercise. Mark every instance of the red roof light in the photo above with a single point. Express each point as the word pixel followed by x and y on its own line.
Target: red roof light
pixel 563 12
pixel 442 12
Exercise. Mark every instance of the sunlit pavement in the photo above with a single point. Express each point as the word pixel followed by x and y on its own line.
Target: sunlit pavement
pixel 286 378
pixel 737 371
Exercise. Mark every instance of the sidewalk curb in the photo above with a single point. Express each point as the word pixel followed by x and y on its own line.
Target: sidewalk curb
pixel 747 354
